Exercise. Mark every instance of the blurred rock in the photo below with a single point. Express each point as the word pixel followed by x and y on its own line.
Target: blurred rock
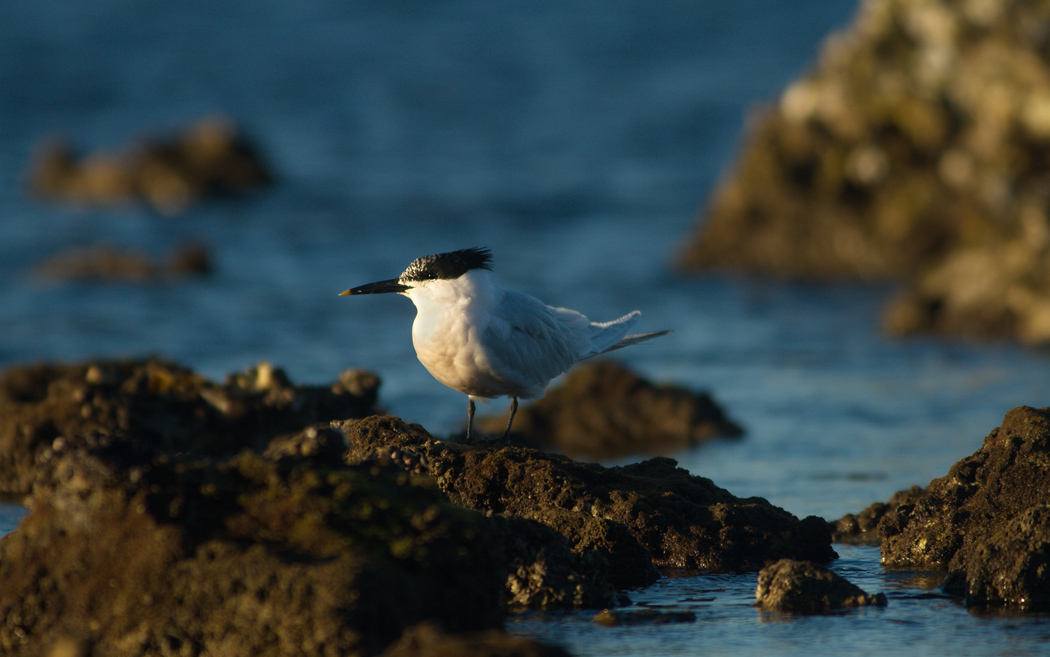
pixel 986 521
pixel 426 640
pixel 616 617
pixel 800 586
pixel 110 263
pixel 602 410
pixel 132 554
pixel 168 406
pixel 670 516
pixel 210 158
pixel 916 149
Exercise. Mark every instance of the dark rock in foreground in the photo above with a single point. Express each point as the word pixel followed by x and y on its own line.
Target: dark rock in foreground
pixel 797 586
pixel 603 410
pixel 681 520
pixel 985 522
pixel 917 148
pixel 166 405
pixel 210 158
pixel 163 556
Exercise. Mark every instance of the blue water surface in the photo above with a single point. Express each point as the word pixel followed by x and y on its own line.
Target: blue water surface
pixel 579 142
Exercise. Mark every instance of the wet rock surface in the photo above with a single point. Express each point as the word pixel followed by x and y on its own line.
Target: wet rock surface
pixel 166 405
pixel 681 520
pixel 602 410
pixel 208 159
pixel 804 587
pixel 985 522
pixel 134 555
pixel 917 148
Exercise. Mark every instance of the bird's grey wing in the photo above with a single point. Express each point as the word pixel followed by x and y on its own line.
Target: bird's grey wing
pixel 532 341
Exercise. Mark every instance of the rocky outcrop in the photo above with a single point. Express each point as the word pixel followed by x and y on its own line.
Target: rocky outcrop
pixel 1011 566
pixel 917 148
pixel 985 522
pixel 603 410
pixel 799 586
pixel 862 528
pixel 681 520
pixel 152 555
pixel 166 405
pixel 210 158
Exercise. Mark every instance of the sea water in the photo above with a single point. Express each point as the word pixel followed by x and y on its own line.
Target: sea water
pixel 578 141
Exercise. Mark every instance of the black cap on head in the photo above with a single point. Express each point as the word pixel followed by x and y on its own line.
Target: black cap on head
pixel 447 265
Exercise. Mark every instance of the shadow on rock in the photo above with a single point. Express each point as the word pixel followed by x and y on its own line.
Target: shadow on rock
pixel 986 522
pixel 136 555
pixel 649 509
pixel 168 406
pixel 602 410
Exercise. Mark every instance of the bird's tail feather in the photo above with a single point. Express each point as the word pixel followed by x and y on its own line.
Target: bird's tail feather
pixel 628 340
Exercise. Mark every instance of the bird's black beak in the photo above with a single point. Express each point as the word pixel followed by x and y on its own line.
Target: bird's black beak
pixel 382 287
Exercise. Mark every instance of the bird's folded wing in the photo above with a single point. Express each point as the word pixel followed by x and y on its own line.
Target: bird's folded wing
pixel 533 341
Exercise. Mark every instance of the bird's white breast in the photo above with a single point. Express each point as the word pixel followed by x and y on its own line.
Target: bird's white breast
pixel 452 317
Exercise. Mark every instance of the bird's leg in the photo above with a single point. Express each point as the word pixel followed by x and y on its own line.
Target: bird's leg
pixel 470 416
pixel 510 420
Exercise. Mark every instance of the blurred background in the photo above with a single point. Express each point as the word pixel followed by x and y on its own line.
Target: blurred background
pixel 198 180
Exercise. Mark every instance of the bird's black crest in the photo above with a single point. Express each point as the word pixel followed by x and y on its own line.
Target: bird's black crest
pixel 447 265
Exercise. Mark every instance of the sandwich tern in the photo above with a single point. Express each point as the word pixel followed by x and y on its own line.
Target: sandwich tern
pixel 487 342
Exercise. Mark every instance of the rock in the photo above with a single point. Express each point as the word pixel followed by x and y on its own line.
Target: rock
pixel 603 411
pixel 799 586
pixel 915 150
pixel 985 522
pixel 109 263
pixel 983 292
pixel 862 529
pixel 543 570
pixel 618 617
pixel 1011 567
pixel 135 554
pixel 426 640
pixel 630 563
pixel 166 405
pixel 210 158
pixel 681 520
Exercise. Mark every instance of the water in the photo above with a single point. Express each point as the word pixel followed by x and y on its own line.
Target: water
pixel 916 620
pixel 578 141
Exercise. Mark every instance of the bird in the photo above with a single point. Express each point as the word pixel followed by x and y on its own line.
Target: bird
pixel 487 342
